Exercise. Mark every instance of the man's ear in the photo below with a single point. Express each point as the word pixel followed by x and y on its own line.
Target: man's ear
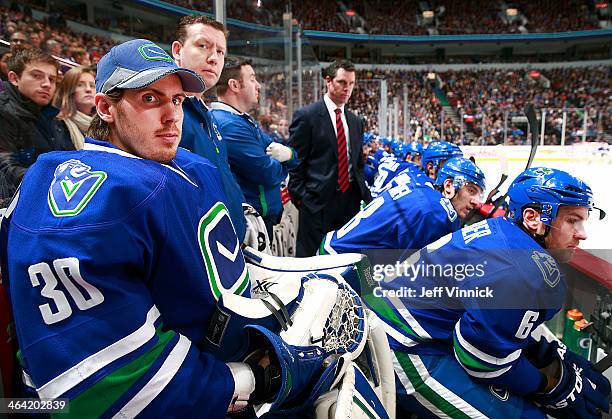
pixel 448 188
pixel 234 85
pixel 531 221
pixel 13 78
pixel 103 105
pixel 176 50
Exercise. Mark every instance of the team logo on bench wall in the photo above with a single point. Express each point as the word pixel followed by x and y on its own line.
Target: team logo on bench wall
pixel 221 252
pixel 74 185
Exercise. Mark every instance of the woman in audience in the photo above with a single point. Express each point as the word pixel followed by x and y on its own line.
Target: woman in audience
pixel 75 99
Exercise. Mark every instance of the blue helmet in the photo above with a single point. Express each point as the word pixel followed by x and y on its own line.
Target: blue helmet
pixel 402 151
pixel 414 148
pixel 368 137
pixel 461 170
pixel 438 151
pixel 547 189
pixel 386 141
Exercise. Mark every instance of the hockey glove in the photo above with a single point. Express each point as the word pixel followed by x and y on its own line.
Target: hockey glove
pixel 581 391
pixel 295 376
pixel 279 152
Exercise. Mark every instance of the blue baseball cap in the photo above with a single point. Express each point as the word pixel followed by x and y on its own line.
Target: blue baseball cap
pixel 138 63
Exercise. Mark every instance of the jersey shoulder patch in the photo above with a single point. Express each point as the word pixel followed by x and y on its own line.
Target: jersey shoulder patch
pixel 73 186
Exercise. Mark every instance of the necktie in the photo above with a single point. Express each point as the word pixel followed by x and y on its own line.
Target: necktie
pixel 343 174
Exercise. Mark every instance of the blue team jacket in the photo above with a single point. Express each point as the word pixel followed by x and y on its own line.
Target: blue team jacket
pixel 201 136
pixel 258 174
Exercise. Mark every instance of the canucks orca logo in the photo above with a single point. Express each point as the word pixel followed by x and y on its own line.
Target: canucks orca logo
pixel 547 265
pixel 74 185
pixel 500 393
pixel 542 171
pixel 153 52
pixel 221 252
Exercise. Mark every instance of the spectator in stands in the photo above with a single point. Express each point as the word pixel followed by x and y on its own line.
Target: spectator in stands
pixel 283 129
pixel 4 57
pixel 29 126
pixel 19 40
pixel 200 45
pixel 53 47
pixel 260 164
pixel 75 99
pixel 35 39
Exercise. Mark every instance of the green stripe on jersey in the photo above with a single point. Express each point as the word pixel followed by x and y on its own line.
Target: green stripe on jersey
pixel 468 360
pixel 96 400
pixel 384 310
pixel 364 408
pixel 424 390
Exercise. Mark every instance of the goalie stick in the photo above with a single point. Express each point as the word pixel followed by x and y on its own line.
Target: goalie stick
pixel 535 134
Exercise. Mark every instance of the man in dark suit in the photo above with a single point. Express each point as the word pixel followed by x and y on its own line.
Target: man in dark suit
pixel 328 184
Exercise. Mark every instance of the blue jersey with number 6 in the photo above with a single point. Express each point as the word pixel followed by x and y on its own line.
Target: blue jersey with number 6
pixel 114 264
pixel 478 293
pixel 404 217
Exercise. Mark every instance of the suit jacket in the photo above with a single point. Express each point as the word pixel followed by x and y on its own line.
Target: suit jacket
pixel 312 135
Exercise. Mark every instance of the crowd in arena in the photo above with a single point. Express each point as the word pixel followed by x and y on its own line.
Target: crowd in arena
pixel 486 97
pixel 400 17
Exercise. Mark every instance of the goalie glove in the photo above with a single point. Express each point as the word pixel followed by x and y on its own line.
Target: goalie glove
pixel 295 376
pixel 580 392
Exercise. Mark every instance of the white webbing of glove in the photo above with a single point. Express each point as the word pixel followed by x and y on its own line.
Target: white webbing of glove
pixel 279 152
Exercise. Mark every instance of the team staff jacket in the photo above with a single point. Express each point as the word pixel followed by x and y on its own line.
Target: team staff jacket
pixel 201 135
pixel 114 266
pixel 258 174
pixel 520 286
pixel 404 217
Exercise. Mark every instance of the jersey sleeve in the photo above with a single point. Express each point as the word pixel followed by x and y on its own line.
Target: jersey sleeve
pixel 89 329
pixel 490 342
pixel 243 147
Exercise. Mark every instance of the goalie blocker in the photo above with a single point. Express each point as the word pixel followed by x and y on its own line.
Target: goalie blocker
pixel 313 328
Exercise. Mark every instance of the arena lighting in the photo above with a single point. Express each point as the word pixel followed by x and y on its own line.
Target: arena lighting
pixel 350 13
pixel 511 12
pixel 428 14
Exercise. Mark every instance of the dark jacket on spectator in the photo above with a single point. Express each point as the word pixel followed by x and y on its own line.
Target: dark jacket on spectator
pixel 26 131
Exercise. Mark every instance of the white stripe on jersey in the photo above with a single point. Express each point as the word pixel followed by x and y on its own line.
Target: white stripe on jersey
pixel 399 337
pixel 484 356
pixel 158 382
pixel 479 374
pixel 96 147
pixel 405 313
pixel 327 246
pixel 94 363
pixel 436 386
pixel 403 378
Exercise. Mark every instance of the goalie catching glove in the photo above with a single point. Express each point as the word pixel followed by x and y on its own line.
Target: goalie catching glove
pixel 580 392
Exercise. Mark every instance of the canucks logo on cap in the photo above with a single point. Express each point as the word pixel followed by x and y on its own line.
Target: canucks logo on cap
pixel 153 52
pixel 74 185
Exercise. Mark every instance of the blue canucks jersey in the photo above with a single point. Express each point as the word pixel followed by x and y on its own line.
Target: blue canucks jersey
pixel 390 168
pixel 369 170
pixel 477 295
pixel 403 217
pixel 114 265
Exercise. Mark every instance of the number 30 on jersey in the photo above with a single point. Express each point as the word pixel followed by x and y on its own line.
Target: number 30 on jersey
pixel 67 270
